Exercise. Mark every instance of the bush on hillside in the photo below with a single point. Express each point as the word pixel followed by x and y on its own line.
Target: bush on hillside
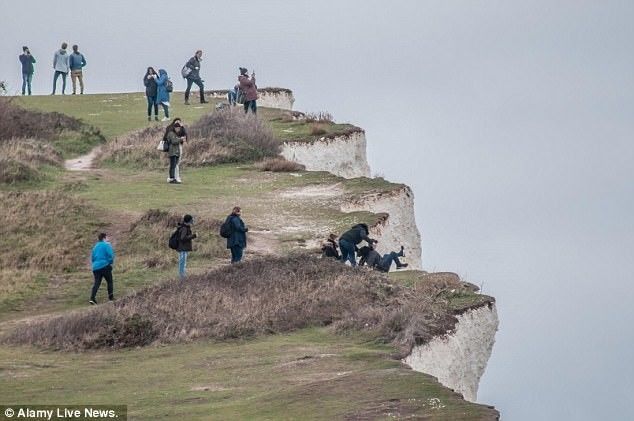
pixel 279 164
pixel 220 137
pixel 16 121
pixel 257 297
pixel 22 159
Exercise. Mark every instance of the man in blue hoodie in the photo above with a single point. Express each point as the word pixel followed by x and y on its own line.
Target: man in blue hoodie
pixel 102 260
pixel 76 62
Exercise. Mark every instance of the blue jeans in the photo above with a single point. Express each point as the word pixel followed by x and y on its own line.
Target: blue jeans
pixel 232 96
pixel 182 263
pixel 151 103
pixel 252 105
pixel 236 253
pixel 347 252
pixel 26 82
pixel 387 259
pixel 57 73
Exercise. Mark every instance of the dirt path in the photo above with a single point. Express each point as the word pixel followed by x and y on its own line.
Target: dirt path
pixel 84 162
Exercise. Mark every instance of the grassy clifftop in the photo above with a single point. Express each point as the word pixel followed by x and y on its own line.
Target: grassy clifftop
pixel 228 352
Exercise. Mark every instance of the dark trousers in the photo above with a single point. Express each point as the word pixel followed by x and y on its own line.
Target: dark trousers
pixel 57 73
pixel 198 82
pixel 347 252
pixel 387 259
pixel 236 253
pixel 252 105
pixel 99 274
pixel 173 163
pixel 151 103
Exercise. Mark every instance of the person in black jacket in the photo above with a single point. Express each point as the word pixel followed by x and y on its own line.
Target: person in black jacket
pixel 329 248
pixel 237 241
pixel 185 238
pixel 349 240
pixel 193 64
pixel 149 80
pixel 374 260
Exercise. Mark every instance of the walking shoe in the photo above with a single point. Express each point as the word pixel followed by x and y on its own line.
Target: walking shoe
pixel 402 265
pixel 155 118
pixel 174 182
pixel 204 101
pixel 186 102
pixel 92 302
pixel 165 119
pixel 169 180
pixel 402 251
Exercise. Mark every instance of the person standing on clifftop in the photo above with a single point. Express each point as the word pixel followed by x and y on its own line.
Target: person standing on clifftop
pixel 250 90
pixel 27 61
pixel 61 66
pixel 102 259
pixel 349 240
pixel 192 68
pixel 77 61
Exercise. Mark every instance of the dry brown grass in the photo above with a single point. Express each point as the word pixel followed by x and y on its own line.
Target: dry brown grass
pixel 22 159
pixel 279 164
pixel 220 137
pixel 317 129
pixel 16 121
pixel 262 296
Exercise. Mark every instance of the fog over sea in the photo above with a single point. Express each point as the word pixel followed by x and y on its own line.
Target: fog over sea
pixel 513 121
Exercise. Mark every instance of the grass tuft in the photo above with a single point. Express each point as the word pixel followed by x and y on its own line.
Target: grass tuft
pixel 279 164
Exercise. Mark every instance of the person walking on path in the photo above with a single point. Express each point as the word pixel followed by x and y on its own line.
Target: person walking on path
pixel 374 260
pixel 349 240
pixel 162 93
pixel 193 64
pixel 61 66
pixel 149 80
pixel 237 241
pixel 76 62
pixel 250 90
pixel 185 237
pixel 27 61
pixel 175 135
pixel 102 259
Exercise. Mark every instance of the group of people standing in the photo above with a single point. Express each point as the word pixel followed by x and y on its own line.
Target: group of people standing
pixel 63 63
pixel 347 244
pixel 103 256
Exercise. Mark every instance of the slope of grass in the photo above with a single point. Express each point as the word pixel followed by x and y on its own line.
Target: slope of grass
pixel 310 374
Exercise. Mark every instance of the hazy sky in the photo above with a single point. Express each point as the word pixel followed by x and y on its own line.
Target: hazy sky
pixel 512 121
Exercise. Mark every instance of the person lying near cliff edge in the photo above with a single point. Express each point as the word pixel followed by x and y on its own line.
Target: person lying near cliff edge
pixel 329 248
pixel 349 240
pixel 374 260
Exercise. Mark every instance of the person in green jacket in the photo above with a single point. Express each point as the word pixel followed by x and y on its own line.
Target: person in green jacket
pixel 175 136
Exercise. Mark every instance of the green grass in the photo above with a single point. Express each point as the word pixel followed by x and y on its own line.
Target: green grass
pixel 310 374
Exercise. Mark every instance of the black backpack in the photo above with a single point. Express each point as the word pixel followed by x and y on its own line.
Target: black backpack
pixel 225 228
pixel 169 86
pixel 174 239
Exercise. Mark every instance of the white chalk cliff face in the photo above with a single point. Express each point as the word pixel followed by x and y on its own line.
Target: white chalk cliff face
pixel 459 358
pixel 344 155
pixel 398 227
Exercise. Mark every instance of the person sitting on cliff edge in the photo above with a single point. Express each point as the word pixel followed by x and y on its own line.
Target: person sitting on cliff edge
pixel 374 260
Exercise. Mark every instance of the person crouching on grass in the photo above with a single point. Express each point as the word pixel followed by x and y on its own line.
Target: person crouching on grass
pixel 102 259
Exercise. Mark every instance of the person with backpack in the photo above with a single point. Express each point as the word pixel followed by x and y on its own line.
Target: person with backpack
pixel 235 231
pixel 249 89
pixel 350 239
pixel 163 88
pixel 329 248
pixel 102 259
pixel 175 136
pixel 61 66
pixel 374 260
pixel 76 62
pixel 27 61
pixel 149 80
pixel 191 72
pixel 185 237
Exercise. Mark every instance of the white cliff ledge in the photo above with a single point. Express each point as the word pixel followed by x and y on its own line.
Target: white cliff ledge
pixel 281 98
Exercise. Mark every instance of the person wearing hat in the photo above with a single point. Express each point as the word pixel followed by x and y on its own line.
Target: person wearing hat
pixel 250 89
pixel 27 61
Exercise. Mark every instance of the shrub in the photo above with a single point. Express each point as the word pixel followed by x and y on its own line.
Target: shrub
pixel 261 296
pixel 317 129
pixel 279 164
pixel 320 117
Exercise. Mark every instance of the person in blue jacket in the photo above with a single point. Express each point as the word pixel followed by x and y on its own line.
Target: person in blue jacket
pixel 237 241
pixel 162 94
pixel 102 259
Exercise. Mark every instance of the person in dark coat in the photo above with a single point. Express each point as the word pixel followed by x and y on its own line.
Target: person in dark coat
pixel 175 136
pixel 149 80
pixel 374 260
pixel 27 61
pixel 237 241
pixel 193 64
pixel 185 237
pixel 349 240
pixel 250 89
pixel 329 248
